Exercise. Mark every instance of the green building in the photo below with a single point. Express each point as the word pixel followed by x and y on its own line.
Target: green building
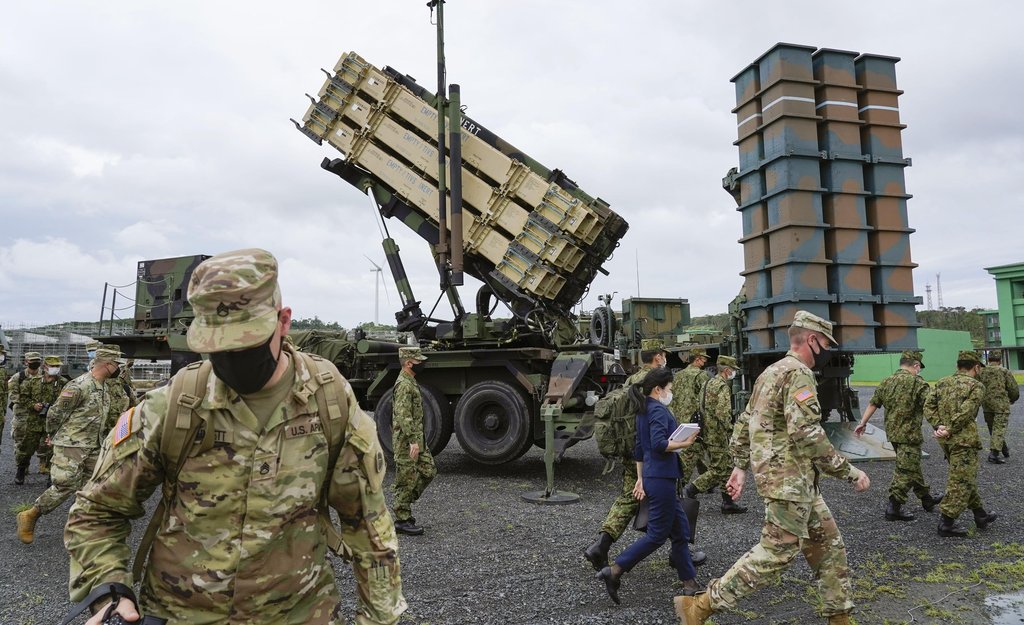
pixel 993 336
pixel 1010 298
pixel 939 349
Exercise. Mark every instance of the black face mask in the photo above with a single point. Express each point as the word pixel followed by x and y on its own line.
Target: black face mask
pixel 117 372
pixel 245 371
pixel 418 367
pixel 33 366
pixel 822 357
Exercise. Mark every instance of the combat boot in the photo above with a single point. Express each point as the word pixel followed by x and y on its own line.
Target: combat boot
pixel 1006 450
pixel 839 619
pixel 44 469
pixel 993 457
pixel 948 528
pixel 693 609
pixel 597 553
pixel 19 474
pixel 929 501
pixel 731 507
pixel 894 512
pixel 408 527
pixel 27 524
pixel 983 519
pixel 690 491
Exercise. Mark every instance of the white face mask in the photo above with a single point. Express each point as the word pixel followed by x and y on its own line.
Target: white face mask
pixel 54 371
pixel 666 398
pixel 731 374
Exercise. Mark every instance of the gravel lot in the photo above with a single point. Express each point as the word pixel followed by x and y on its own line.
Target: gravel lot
pixel 489 557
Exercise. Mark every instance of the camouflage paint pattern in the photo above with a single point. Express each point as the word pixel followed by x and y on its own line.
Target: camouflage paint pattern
pixel 1001 390
pixel 411 476
pixel 30 432
pixel 954 403
pixel 258 555
pixel 717 430
pixel 160 293
pixel 70 468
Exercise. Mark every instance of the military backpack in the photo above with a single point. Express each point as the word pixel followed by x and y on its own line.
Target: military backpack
pixel 615 425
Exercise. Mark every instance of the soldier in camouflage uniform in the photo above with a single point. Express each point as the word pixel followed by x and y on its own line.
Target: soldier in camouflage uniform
pixel 242 540
pixel 952 409
pixel 686 388
pixel 120 398
pixel 1001 390
pixel 33 369
pixel 414 466
pixel 780 436
pixel 37 394
pixel 74 427
pixel 3 391
pixel 903 395
pixel 716 406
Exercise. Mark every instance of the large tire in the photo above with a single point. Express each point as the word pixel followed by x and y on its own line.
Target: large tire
pixel 492 422
pixel 602 326
pixel 437 426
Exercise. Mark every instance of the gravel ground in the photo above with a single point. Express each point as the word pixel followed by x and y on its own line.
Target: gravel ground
pixel 489 557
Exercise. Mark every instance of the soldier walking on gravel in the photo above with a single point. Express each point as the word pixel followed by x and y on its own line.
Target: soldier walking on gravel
pixel 3 390
pixel 1001 390
pixel 716 406
pixel 252 449
pixel 780 436
pixel 903 395
pixel 37 394
pixel 75 426
pixel 414 466
pixel 120 397
pixel 686 388
pixel 952 409
pixel 32 369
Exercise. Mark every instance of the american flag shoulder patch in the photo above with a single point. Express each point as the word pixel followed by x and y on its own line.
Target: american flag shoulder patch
pixel 804 394
pixel 67 394
pixel 123 429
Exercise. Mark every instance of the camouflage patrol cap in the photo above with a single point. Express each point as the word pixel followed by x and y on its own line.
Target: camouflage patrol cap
pixel 698 352
pixel 410 353
pixel 912 355
pixel 728 361
pixel 53 361
pixel 33 356
pixel 92 346
pixel 236 299
pixel 108 355
pixel 650 345
pixel 995 356
pixel 969 355
pixel 804 319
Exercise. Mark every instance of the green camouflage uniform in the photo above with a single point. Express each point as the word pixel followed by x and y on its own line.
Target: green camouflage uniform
pixel 18 409
pixel 242 544
pixel 954 403
pixel 1001 390
pixel 686 387
pixel 781 438
pixel 30 433
pixel 3 401
pixel 717 409
pixel 903 395
pixel 625 505
pixel 119 402
pixel 411 476
pixel 74 424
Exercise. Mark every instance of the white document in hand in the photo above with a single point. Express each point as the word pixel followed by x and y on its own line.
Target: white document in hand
pixel 683 431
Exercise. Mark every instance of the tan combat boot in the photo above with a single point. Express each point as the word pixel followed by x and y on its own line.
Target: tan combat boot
pixel 693 610
pixel 839 619
pixel 44 469
pixel 27 524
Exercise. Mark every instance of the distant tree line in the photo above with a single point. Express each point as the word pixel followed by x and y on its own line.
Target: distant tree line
pixel 719 322
pixel 958 318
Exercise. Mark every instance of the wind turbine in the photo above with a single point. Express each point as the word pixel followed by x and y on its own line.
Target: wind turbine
pixel 376 295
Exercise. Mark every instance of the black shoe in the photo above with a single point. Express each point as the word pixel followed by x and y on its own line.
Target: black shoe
pixel 19 475
pixel 948 528
pixel 983 519
pixel 731 507
pixel 893 512
pixel 408 527
pixel 597 553
pixel 993 457
pixel 690 491
pixel 698 557
pixel 611 583
pixel 929 501
pixel 1006 450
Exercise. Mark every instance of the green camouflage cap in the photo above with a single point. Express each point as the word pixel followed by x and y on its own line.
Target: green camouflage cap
pixel 728 361
pixel 698 351
pixel 53 361
pixel 33 356
pixel 804 319
pixel 108 355
pixel 236 299
pixel 995 356
pixel 969 355
pixel 92 346
pixel 912 355
pixel 410 353
pixel 650 345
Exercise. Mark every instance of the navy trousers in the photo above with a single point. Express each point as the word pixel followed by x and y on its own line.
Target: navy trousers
pixel 666 521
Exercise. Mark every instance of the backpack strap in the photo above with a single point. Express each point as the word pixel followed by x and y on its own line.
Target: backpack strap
pixel 181 427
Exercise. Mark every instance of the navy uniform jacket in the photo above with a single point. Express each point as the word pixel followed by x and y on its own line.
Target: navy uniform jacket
pixel 653 427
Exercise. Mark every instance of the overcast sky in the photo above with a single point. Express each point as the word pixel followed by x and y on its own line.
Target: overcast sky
pixel 135 130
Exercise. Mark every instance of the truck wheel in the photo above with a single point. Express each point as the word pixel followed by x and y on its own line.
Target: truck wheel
pixel 492 423
pixel 602 326
pixel 434 420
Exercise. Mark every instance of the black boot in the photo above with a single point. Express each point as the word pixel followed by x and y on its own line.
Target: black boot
pixel 408 527
pixel 698 557
pixel 731 507
pixel 690 491
pixel 993 457
pixel 983 519
pixel 611 582
pixel 597 553
pixel 893 512
pixel 929 501
pixel 19 475
pixel 948 528
pixel 1006 450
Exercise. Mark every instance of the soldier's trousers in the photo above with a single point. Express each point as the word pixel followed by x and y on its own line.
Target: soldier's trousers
pixel 71 467
pixel 30 438
pixel 996 422
pixel 962 483
pixel 718 471
pixel 692 459
pixel 907 474
pixel 411 478
pixel 625 506
pixel 791 528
